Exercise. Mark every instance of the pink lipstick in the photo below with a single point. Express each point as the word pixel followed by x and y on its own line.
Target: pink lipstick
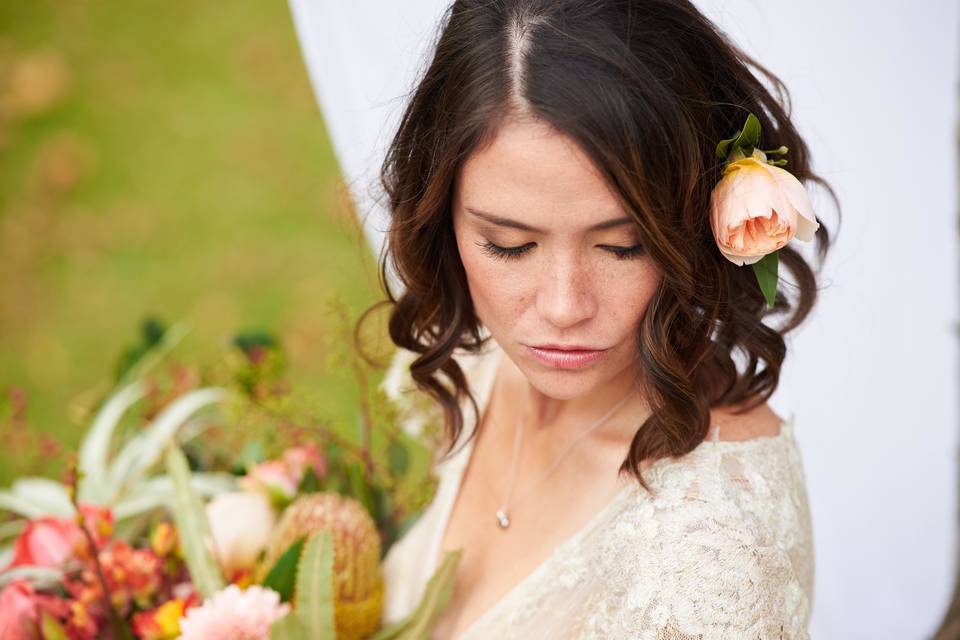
pixel 566 357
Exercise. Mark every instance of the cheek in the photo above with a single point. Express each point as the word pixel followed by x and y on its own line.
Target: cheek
pixel 628 294
pixel 497 287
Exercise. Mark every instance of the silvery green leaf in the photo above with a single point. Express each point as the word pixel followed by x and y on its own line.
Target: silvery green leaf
pixel 9 501
pixel 94 451
pixel 35 497
pixel 145 449
pixel 159 492
pixel 10 530
pixel 39 576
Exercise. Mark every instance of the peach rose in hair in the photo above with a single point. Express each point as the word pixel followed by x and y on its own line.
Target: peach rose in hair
pixel 756 208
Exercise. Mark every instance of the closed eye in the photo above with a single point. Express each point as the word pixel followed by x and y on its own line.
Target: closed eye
pixel 508 253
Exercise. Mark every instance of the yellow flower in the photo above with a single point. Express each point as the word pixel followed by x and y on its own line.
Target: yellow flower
pixel 756 208
pixel 168 617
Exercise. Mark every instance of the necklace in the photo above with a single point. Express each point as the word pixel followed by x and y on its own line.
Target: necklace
pixel 503 519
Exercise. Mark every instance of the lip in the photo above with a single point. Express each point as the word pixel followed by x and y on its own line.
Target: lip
pixel 565 356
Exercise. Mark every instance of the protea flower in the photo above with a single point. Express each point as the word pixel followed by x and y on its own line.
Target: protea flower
pixel 358 581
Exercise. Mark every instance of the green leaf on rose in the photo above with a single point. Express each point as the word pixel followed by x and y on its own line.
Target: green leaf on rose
pixel 746 138
pixel 750 134
pixel 766 271
pixel 723 148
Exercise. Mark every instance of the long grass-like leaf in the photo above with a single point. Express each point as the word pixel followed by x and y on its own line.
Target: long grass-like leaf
pixel 95 448
pixel 434 600
pixel 314 594
pixel 192 526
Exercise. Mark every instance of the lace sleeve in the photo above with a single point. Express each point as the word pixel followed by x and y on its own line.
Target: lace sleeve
pixel 732 581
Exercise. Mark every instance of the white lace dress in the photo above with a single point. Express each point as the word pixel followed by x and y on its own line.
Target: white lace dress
pixel 724 551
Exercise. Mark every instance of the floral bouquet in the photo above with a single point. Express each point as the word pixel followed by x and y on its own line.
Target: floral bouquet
pixel 156 535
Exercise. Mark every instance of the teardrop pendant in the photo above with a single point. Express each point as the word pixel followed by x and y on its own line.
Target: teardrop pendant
pixel 502 519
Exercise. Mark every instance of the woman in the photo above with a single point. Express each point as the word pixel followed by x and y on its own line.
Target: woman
pixel 610 470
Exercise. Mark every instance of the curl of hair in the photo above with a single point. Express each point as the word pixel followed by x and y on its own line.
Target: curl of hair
pixel 646 88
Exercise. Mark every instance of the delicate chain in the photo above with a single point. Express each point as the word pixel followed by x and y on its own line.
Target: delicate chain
pixel 504 520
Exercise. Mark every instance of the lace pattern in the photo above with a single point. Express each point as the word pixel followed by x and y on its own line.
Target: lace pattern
pixel 723 551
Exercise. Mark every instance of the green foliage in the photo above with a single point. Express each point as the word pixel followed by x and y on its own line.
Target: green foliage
pixel 313 612
pixel 435 599
pixel 153 336
pixel 766 270
pixel 283 575
pixel 745 139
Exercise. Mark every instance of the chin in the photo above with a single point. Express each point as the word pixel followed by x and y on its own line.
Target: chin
pixel 562 384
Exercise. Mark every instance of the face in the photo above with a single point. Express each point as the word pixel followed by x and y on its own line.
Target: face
pixel 551 258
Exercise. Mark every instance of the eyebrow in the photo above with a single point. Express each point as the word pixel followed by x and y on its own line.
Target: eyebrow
pixel 516 224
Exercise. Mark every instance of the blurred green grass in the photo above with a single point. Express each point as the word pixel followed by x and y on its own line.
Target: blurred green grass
pixel 170 159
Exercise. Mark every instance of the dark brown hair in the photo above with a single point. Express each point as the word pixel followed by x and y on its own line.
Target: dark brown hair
pixel 646 88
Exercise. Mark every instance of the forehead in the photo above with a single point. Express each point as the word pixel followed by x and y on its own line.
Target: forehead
pixel 533 173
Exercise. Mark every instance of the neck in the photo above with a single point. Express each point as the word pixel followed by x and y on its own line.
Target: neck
pixel 549 416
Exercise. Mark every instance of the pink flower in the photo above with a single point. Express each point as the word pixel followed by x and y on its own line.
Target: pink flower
pixel 757 208
pixel 50 541
pixel 273 478
pixel 300 459
pixel 18 612
pixel 234 614
pixel 46 542
pixel 281 478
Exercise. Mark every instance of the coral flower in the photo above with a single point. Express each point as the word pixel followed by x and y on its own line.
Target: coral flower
pixel 757 208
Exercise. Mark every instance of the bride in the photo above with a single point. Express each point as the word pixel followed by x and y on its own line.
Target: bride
pixel 610 470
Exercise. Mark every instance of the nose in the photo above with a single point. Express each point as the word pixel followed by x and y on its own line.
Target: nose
pixel 566 296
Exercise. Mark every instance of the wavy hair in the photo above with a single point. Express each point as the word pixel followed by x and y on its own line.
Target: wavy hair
pixel 646 88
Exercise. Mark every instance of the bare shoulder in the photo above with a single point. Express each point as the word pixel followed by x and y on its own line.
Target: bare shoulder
pixel 761 421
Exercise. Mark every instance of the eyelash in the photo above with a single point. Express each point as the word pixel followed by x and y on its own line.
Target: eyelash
pixel 509 253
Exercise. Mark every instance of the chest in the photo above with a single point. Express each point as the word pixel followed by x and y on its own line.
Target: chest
pixel 543 516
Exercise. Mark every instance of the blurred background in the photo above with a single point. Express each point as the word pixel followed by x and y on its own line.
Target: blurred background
pixel 160 160
pixel 167 162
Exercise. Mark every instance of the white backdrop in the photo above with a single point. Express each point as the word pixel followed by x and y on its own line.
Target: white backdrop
pixel 872 376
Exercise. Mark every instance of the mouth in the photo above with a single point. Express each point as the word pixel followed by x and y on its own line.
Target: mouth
pixel 566 356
